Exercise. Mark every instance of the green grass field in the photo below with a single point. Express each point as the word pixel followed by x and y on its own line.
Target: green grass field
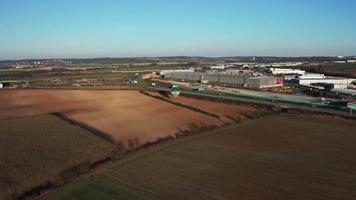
pixel 278 157
pixel 42 150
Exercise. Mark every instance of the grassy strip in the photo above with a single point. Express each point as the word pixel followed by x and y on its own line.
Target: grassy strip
pixel 338 108
pixel 234 102
pixel 268 99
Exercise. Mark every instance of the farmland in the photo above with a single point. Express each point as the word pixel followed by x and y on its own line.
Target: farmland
pixel 228 113
pixel 40 151
pixel 67 77
pixel 129 117
pixel 277 157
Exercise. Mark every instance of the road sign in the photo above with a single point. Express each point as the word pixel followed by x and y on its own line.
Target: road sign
pixel 175 91
pixel 352 106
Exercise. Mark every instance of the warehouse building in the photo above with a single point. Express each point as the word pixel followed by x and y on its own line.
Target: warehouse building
pixel 163 72
pixel 208 77
pixel 263 82
pixel 241 80
pixel 217 67
pixel 312 79
pixel 280 71
pixel 13 84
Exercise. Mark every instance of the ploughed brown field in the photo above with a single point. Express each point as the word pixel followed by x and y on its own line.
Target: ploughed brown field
pixel 227 113
pixel 125 115
pixel 281 157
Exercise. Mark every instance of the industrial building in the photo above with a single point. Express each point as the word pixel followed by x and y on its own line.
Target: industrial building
pixel 221 78
pixel 5 84
pixel 163 72
pixel 262 82
pixel 282 64
pixel 13 84
pixel 218 67
pixel 238 71
pixel 283 71
pixel 309 79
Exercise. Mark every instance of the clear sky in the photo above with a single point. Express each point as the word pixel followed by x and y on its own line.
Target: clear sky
pixel 126 28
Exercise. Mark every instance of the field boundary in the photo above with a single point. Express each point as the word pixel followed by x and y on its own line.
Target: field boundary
pixel 69 172
pixel 65 176
pixel 280 108
pixel 147 151
pixel 126 156
pixel 280 158
pixel 179 140
pixel 182 105
pixel 121 152
pixel 101 134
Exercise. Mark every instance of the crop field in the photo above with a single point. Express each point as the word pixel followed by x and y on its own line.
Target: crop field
pixel 129 117
pixel 228 113
pixel 39 151
pixel 277 157
pixel 68 77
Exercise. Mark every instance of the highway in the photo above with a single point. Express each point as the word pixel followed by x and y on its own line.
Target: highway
pixel 255 101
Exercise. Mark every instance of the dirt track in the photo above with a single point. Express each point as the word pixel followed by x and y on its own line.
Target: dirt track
pixel 126 115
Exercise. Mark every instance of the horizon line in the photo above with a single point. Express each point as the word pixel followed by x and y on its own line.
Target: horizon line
pixel 132 57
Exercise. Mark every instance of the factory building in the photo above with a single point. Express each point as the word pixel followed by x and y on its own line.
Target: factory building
pixel 262 82
pixel 284 64
pixel 238 71
pixel 312 79
pixel 312 76
pixel 249 80
pixel 217 67
pixel 282 71
pixel 6 84
pixel 163 72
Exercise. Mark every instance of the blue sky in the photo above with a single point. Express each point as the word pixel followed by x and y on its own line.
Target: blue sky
pixel 126 28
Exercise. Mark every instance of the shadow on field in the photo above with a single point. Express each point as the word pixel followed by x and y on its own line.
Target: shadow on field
pixel 118 144
pixel 164 94
pixel 182 105
pixel 133 143
pixel 80 168
pixel 64 177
